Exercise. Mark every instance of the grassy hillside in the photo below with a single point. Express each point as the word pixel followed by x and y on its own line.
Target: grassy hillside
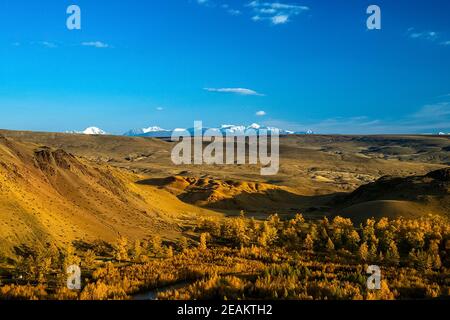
pixel 49 195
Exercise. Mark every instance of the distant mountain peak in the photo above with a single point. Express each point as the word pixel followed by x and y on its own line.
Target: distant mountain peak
pixel 94 131
pixel 254 126
pixel 89 131
pixel 152 131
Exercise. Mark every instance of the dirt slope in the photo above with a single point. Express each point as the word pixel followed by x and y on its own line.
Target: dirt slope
pixel 49 195
pixel 400 196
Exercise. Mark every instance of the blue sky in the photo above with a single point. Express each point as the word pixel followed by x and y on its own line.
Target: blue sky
pixel 295 64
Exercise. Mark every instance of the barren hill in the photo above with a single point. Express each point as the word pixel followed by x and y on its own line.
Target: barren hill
pixel 230 194
pixel 400 196
pixel 49 195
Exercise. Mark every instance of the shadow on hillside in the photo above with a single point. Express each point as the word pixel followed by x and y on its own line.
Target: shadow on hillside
pixel 264 202
pixel 156 182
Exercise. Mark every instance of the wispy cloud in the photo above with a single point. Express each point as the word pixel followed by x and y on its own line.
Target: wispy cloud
pixel 233 12
pixel 425 35
pixel 433 111
pixel 431 36
pixel 428 119
pixel 53 45
pixel 261 113
pixel 277 13
pixel 95 44
pixel 159 109
pixel 239 91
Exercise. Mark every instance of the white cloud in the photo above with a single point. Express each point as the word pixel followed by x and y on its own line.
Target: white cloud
pixel 261 113
pixel 95 44
pixel 431 36
pixel 280 19
pixel 276 12
pixel 207 3
pixel 240 91
pixel 267 11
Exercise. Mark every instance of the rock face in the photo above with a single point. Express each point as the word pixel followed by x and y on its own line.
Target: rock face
pixel 49 160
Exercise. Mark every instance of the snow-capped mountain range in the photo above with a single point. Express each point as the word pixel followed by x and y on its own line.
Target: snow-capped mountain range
pixel 158 132
pixel 149 132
